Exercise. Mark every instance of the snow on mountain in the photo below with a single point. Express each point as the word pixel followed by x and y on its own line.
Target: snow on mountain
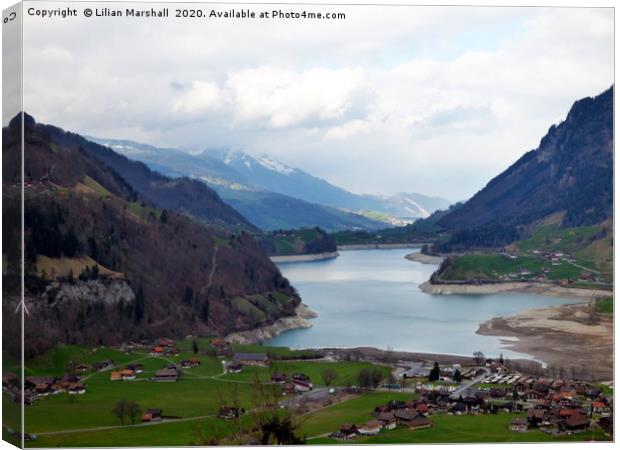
pixel 275 165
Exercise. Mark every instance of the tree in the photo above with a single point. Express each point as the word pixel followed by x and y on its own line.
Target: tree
pixel 163 217
pixel 70 243
pixel 120 410
pixel 435 372
pixel 457 376
pixel 138 306
pixel 369 378
pixel 501 358
pixel 195 346
pixel 479 358
pixel 329 375
pixel 133 411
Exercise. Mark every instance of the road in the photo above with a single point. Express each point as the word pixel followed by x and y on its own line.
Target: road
pixel 464 386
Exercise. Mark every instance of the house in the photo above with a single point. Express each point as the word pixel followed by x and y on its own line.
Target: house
pixel 136 367
pixel 173 352
pixel 576 422
pixel 348 429
pixel 32 381
pixel 405 415
pixel 152 415
pixel 302 386
pixel 77 388
pixel 301 377
pixel 83 367
pixel 58 388
pixel 518 425
pixel 185 364
pixel 157 351
pixel 251 359
pixel 194 362
pixel 103 365
pixel 228 412
pixel 278 377
pixel 233 367
pixel 128 374
pixel 600 408
pixel 420 421
pixel 166 375
pixel 387 422
pixel 115 375
pixel 338 436
pixel 370 428
pixel 536 416
pixel 43 389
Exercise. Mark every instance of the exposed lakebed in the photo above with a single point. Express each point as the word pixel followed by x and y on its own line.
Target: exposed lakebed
pixel 371 298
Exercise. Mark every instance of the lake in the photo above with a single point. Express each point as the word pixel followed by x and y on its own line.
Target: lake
pixel 371 298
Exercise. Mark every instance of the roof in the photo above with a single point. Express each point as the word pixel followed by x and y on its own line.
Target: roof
pixel 250 357
pixel 420 421
pixel 167 373
pixel 518 421
pixel 577 420
pixel 371 424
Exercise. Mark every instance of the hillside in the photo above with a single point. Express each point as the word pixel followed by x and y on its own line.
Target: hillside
pixel 571 172
pixel 182 195
pixel 306 241
pixel 154 272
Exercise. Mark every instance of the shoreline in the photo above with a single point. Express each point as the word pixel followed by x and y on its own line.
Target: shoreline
pixel 377 246
pixel 424 259
pixel 302 258
pixel 526 288
pixel 301 319
pixel 555 334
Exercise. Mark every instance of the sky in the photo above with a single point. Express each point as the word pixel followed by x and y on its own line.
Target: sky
pixel 435 100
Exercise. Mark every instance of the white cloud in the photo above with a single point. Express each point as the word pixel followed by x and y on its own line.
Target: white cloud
pixel 203 96
pixel 435 100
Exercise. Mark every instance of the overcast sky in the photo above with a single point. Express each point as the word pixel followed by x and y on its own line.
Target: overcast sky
pixel 435 100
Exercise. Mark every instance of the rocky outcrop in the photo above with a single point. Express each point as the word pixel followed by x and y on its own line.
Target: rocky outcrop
pixel 300 320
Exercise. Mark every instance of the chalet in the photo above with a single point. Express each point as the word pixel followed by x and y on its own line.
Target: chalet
pixel 103 365
pixel 166 375
pixel 349 430
pixel 302 386
pixel 405 415
pixel 115 375
pixel 173 352
pixel 338 436
pixel 301 377
pixel 127 374
pixel 518 425
pixel 419 422
pixel 157 351
pixel 185 364
pixel 33 381
pixel 536 416
pixel 278 377
pixel 58 388
pixel 387 420
pixel 194 362
pixel 251 359
pixel 77 388
pixel 136 367
pixel 370 428
pixel 43 389
pixel 228 412
pixel 152 415
pixel 600 408
pixel 576 422
pixel 233 367
pixel 82 368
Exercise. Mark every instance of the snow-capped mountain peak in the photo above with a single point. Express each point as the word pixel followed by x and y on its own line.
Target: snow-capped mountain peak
pixel 275 165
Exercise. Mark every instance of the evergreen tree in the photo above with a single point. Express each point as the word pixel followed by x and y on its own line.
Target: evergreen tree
pixel 435 372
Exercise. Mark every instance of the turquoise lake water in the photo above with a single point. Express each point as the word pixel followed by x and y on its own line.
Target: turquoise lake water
pixel 371 298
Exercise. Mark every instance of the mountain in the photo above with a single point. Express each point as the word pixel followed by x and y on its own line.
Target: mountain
pixel 273 175
pixel 266 209
pixel 105 264
pixel 570 174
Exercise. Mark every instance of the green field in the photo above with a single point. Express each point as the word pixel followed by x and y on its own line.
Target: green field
pixel 605 306
pixel 87 420
pixel 463 429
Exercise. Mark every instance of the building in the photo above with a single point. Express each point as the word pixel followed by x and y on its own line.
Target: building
pixel 370 428
pixel 152 415
pixel 349 430
pixel 518 425
pixel 302 386
pixel 77 388
pixel 166 375
pixel 251 359
pixel 233 367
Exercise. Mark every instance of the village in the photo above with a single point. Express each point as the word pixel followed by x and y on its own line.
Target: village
pixel 411 396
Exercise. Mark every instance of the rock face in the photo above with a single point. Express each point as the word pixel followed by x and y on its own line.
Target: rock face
pixel 570 172
pixel 300 320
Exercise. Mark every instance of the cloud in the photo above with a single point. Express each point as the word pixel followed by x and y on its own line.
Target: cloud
pixel 202 97
pixel 285 98
pixel 430 99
